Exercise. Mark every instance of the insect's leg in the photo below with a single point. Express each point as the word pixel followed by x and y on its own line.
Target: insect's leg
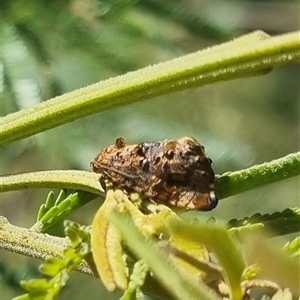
pixel 157 185
pixel 164 167
pixel 102 182
pixel 212 202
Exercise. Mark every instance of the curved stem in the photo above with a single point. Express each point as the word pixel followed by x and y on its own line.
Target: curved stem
pixel 69 179
pixel 249 55
pixel 227 184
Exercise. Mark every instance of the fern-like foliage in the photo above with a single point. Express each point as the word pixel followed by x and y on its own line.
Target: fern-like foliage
pixel 293 247
pixel 54 210
pixel 136 282
pixel 279 223
pixel 58 269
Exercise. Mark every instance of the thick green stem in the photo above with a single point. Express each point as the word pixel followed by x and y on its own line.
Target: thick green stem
pixel 248 55
pixel 68 179
pixel 227 184
pixel 33 244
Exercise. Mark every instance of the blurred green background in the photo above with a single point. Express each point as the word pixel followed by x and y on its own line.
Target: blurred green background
pixel 52 47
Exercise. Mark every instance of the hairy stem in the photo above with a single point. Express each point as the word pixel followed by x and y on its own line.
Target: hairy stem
pixel 232 183
pixel 249 55
pixel 67 179
pixel 30 243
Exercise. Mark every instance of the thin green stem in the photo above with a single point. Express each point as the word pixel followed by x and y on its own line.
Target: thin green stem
pixel 227 184
pixel 232 183
pixel 248 55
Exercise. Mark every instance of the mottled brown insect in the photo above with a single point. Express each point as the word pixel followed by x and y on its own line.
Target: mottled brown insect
pixel 173 171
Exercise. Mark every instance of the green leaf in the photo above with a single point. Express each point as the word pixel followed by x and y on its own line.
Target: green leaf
pixel 274 262
pixel 57 261
pixel 246 228
pixel 106 242
pixel 36 285
pixel 73 235
pixel 58 269
pixel 51 268
pixel 181 287
pixel 50 201
pixel 136 281
pixel 251 271
pixel 42 296
pixel 293 247
pixel 42 211
pixel 77 234
pixel 69 254
pixel 51 213
pixel 284 222
pixel 62 206
pixel 22 297
pixel 61 196
pixel 44 208
pixel 217 239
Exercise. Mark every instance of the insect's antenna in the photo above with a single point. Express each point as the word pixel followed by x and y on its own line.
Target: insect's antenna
pixel 118 172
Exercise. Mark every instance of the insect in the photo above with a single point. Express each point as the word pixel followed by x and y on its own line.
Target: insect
pixel 176 172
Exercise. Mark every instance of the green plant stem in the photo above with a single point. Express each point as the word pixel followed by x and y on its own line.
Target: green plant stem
pixel 227 184
pixel 249 55
pixel 67 179
pixel 32 244
pixel 232 183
